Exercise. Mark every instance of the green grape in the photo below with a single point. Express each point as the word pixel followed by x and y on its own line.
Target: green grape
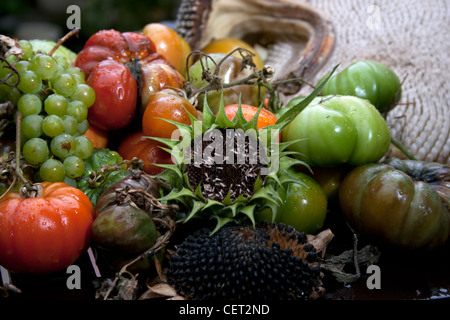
pixel 59 71
pixel 35 151
pixel 11 78
pixel 22 66
pixel 44 66
pixel 12 60
pixel 77 71
pixel 27 49
pixel 30 82
pixel 61 61
pixel 84 148
pixel 85 94
pixel 78 110
pixel 29 104
pixel 82 127
pixel 78 79
pixel 64 84
pixel 73 166
pixel 63 145
pixel 4 70
pixel 55 104
pixel 14 96
pixel 31 126
pixel 52 170
pixel 52 125
pixel 70 124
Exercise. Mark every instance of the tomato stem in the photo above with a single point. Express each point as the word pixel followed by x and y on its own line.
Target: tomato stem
pixel 402 148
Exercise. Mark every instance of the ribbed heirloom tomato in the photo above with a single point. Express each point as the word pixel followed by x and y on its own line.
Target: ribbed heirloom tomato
pixel 336 130
pixel 105 60
pixel 401 203
pixel 46 233
pixel 123 68
pixel 369 80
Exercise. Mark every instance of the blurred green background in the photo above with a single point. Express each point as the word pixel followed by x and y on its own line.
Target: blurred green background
pixel 46 19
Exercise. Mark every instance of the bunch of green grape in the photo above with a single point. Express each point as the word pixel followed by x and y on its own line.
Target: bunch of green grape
pixel 53 98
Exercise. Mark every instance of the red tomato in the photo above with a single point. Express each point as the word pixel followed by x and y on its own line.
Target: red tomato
pixel 166 104
pixel 47 233
pixel 113 45
pixel 148 150
pixel 266 118
pixel 116 95
pixel 111 61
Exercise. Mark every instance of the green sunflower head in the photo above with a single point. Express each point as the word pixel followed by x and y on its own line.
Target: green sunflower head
pixel 228 169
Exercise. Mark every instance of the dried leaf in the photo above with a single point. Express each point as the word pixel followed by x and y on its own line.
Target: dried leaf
pixel 10 46
pixel 164 289
pixel 177 298
pixel 158 267
pixel 159 290
pixel 149 294
pixel 335 264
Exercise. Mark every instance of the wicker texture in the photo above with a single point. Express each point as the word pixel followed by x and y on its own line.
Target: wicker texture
pixel 412 37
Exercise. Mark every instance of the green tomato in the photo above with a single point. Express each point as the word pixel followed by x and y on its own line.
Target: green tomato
pixel 369 80
pixel 101 158
pixel 336 130
pixel 401 203
pixel 303 203
pixel 230 71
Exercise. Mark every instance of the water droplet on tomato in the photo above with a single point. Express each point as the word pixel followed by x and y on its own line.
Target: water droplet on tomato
pixel 120 93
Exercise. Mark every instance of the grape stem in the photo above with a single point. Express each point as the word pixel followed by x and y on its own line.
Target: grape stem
pixel 18 142
pixel 63 39
pixel 14 72
pixel 28 186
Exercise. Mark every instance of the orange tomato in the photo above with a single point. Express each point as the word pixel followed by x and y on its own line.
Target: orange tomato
pixel 169 44
pixel 156 75
pixel 266 118
pixel 226 45
pixel 166 104
pixel 148 150
pixel 46 233
pixel 98 136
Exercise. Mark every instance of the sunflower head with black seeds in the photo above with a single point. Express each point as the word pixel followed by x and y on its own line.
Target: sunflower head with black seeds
pixel 266 261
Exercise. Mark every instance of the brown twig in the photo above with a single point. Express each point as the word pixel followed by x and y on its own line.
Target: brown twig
pixel 160 243
pixel 62 40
